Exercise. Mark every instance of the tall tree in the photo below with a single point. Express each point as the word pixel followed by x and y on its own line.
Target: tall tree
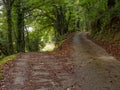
pixel 20 26
pixel 8 5
pixel 61 24
pixel 23 7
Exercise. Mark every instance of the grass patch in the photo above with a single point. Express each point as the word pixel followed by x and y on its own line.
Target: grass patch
pixel 4 60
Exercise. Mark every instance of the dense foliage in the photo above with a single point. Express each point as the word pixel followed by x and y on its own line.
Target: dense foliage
pixel 27 25
pixel 102 18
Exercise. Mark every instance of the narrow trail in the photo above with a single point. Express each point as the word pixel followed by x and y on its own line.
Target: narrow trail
pixel 96 70
pixel 38 71
pixel 18 75
pixel 48 73
pixel 93 69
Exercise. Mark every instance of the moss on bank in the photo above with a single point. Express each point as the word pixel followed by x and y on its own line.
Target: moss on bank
pixel 3 61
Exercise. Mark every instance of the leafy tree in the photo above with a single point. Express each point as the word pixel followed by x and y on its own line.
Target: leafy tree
pixel 50 21
pixel 8 5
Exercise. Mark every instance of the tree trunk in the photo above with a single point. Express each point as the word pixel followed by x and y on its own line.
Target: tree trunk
pixel 61 24
pixel 20 34
pixel 20 28
pixel 27 44
pixel 9 28
pixel 8 5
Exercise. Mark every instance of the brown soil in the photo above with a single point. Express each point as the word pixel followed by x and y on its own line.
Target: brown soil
pixel 79 65
pixel 112 48
pixel 39 70
pixel 95 68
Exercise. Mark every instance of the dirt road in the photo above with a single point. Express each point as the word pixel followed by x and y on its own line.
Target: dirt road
pixel 89 67
pixel 96 70
pixel 38 71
